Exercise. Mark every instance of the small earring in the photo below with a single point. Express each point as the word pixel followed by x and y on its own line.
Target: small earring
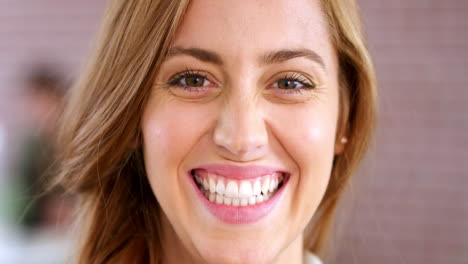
pixel 344 140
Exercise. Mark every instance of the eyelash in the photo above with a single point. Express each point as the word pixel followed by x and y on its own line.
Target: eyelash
pixel 294 77
pixel 175 81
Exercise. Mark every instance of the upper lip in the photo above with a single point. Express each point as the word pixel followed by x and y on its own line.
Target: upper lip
pixel 239 172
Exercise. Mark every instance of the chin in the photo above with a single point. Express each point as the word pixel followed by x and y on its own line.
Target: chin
pixel 239 252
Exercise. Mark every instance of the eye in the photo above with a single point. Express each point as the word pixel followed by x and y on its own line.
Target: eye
pixel 288 84
pixel 194 81
pixel 190 79
pixel 293 83
pixel 192 84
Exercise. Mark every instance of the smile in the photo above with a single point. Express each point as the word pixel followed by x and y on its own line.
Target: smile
pixel 221 190
pixel 238 195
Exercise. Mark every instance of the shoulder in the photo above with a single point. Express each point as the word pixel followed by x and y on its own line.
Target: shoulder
pixel 310 258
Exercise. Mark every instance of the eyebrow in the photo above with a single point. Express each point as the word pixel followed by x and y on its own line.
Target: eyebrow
pixel 284 55
pixel 201 54
pixel 273 57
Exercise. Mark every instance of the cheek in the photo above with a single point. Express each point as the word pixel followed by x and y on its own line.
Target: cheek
pixel 165 137
pixel 170 132
pixel 312 149
pixel 315 153
pixel 309 135
pixel 309 141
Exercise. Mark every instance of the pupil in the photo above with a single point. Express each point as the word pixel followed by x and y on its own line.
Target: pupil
pixel 288 84
pixel 195 81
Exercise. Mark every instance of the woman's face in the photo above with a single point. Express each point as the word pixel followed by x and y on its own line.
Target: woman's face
pixel 239 130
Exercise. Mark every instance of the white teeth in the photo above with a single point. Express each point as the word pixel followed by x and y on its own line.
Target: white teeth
pixel 252 200
pixel 212 197
pixel 257 188
pixel 259 198
pixel 273 184
pixel 206 185
pixel 245 189
pixel 220 187
pixel 266 185
pixel 227 200
pixel 244 201
pixel 219 198
pixel 212 185
pixel 232 190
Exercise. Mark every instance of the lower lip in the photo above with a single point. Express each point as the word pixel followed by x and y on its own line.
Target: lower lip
pixel 242 214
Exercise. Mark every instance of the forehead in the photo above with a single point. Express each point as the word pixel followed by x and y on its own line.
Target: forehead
pixel 249 27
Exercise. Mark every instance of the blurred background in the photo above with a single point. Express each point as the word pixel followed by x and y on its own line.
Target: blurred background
pixel 407 204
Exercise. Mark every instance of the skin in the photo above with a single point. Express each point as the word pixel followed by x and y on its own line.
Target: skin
pixel 241 116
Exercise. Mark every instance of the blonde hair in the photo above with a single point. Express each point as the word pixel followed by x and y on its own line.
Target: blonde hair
pixel 358 99
pixel 101 127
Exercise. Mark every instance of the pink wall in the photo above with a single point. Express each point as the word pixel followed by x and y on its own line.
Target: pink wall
pixel 411 197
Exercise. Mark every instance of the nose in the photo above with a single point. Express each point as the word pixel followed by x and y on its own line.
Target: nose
pixel 241 133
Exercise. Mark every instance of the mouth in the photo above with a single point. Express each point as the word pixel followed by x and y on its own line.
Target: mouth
pixel 238 195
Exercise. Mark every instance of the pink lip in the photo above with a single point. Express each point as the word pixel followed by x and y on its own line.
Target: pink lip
pixel 238 172
pixel 239 215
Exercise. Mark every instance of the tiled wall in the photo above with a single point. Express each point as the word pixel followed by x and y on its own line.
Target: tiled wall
pixel 410 200
pixel 412 196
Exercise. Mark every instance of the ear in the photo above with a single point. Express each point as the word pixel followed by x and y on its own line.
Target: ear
pixel 342 134
pixel 342 131
pixel 340 144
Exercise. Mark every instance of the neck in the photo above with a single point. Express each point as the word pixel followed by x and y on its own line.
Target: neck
pixel 294 253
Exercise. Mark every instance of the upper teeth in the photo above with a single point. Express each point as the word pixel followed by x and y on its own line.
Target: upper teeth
pixel 228 191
